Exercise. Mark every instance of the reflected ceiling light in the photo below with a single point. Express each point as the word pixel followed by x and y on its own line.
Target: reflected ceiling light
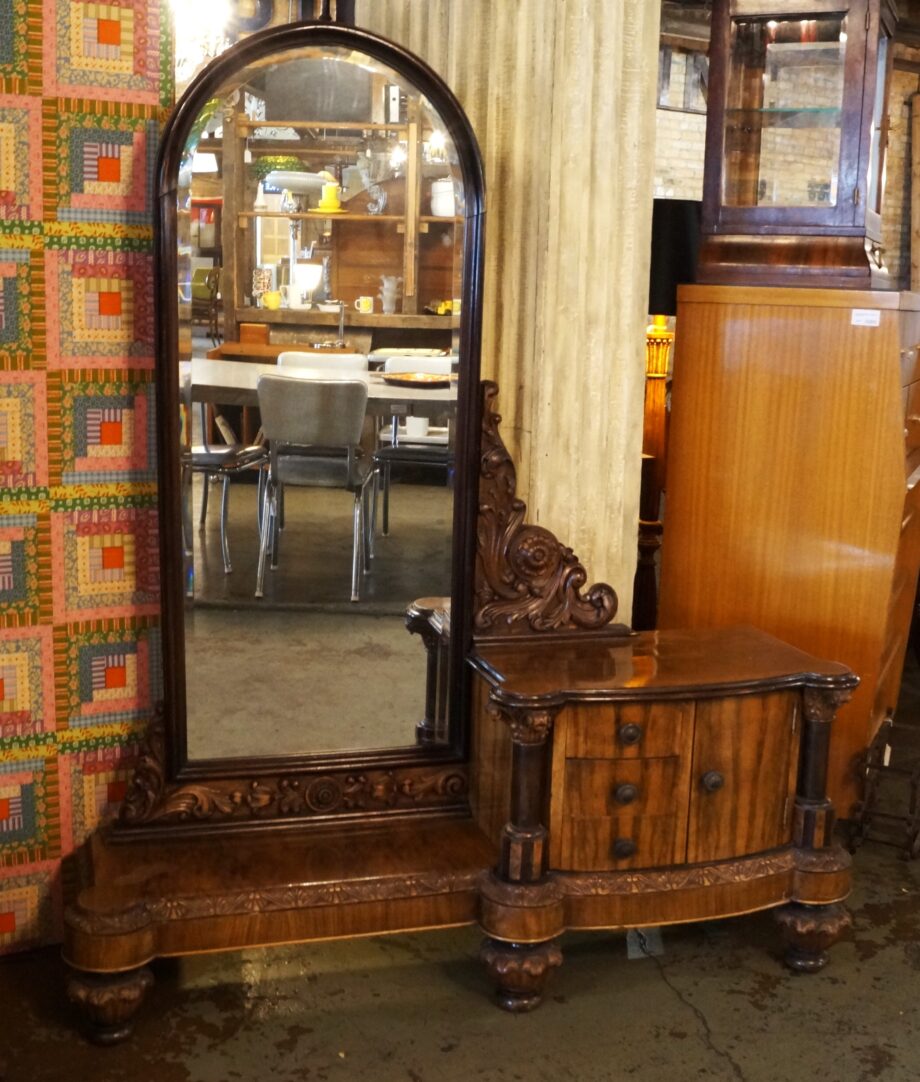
pixel 204 162
pixel 398 156
pixel 199 33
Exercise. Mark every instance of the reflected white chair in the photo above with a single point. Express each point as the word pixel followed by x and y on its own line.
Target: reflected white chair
pixel 313 427
pixel 217 461
pixel 399 444
pixel 333 362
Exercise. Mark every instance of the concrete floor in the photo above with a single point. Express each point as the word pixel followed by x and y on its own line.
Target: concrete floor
pixel 717 1004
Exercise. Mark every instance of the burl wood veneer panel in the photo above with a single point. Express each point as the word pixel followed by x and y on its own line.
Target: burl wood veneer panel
pixel 751 743
pixel 786 478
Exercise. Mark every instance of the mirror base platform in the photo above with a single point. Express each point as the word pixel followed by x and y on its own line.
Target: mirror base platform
pixel 185 896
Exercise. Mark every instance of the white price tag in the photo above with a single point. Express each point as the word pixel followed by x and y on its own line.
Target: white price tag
pixel 866 317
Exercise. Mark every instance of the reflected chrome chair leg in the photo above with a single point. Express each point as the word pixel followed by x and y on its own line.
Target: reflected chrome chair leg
pixel 204 501
pixel 224 509
pixel 260 497
pixel 356 548
pixel 277 506
pixel 386 499
pixel 187 492
pixel 368 492
pixel 263 539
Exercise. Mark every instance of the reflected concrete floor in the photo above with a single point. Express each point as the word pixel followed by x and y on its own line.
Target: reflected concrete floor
pixel 270 682
pixel 305 669
pixel 717 1005
pixel 314 567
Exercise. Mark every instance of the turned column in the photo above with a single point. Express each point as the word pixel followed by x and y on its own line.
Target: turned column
pixel 421 621
pixel 809 930
pixel 518 885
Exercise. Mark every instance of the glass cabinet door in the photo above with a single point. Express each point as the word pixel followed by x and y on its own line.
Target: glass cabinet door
pixel 784 112
pixel 790 116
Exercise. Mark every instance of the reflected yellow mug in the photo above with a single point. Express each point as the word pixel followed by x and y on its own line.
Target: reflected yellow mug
pixel 271 299
pixel 365 305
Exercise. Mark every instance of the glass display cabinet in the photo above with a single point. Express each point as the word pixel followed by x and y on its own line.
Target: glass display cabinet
pixel 795 142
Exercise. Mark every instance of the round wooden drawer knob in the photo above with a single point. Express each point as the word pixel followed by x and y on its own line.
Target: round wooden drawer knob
pixel 712 781
pixel 629 734
pixel 624 848
pixel 626 793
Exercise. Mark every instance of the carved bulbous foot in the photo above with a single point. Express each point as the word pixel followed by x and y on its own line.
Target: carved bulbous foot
pixel 109 1001
pixel 519 971
pixel 809 930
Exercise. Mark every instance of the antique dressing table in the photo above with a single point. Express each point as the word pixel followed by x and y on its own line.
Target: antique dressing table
pixel 565 773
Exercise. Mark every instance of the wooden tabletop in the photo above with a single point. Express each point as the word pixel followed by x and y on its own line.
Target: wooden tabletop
pixel 662 664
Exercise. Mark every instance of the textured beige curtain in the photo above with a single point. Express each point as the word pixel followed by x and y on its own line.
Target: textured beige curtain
pixel 561 94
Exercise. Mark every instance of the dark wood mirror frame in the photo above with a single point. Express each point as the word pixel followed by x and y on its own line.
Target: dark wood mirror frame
pixel 171 791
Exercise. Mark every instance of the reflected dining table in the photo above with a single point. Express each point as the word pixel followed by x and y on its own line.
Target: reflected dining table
pixel 235 383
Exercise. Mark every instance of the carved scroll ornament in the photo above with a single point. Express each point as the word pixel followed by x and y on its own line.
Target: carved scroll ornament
pixel 151 798
pixel 526 581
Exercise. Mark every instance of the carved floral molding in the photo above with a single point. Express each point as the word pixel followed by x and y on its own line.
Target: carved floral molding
pixel 526 580
pixel 151 798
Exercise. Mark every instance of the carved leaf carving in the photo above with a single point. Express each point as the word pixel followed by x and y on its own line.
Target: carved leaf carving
pixel 151 798
pixel 526 581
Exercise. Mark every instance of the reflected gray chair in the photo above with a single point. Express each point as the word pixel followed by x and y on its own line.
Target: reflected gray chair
pixel 396 445
pixel 313 427
pixel 217 461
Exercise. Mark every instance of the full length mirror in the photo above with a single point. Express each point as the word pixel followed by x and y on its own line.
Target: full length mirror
pixel 320 230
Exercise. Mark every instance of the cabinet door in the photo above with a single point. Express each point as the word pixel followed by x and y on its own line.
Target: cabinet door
pixel 743 777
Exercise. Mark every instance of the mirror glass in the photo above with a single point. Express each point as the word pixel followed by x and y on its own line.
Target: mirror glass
pixel 320 239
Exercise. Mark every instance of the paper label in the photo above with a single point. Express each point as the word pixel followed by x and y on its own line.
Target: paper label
pixel 866 317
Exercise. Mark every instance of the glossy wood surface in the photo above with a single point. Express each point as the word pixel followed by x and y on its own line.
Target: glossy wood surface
pixel 749 742
pixel 664 729
pixel 653 664
pixel 786 480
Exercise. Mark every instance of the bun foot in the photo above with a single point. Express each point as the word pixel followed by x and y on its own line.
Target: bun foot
pixel 109 1001
pixel 809 930
pixel 520 971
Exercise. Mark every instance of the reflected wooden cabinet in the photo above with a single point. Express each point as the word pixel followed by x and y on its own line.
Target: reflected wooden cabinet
pixel 386 221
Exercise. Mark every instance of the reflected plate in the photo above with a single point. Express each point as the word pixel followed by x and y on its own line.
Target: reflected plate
pixel 425 380
pixel 323 212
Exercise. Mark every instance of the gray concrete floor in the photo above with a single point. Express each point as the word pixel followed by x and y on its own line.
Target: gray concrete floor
pixel 718 1004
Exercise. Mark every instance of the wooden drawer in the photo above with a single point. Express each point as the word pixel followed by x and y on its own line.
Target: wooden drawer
pixel 628 731
pixel 605 787
pixel 589 844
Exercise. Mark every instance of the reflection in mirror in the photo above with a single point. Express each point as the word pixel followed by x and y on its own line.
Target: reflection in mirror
pixel 320 235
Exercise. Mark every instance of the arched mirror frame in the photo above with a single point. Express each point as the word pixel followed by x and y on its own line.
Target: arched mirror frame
pixel 168 790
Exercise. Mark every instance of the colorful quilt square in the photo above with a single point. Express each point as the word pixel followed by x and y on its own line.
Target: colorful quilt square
pixel 23 430
pixel 100 430
pixel 20 47
pixel 20 157
pixel 103 162
pixel 27 697
pixel 91 47
pixel 100 309
pixel 22 319
pixel 25 570
pixel 99 780
pixel 31 830
pixel 104 672
pixel 30 910
pixel 105 563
